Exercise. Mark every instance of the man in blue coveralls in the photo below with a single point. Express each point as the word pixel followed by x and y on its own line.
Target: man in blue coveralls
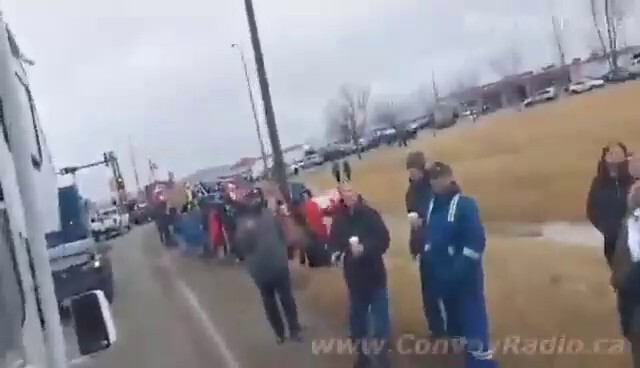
pixel 451 265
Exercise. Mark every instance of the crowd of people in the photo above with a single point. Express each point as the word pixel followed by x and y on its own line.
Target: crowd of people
pixel 447 242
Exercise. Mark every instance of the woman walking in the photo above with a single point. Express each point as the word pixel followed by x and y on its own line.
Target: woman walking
pixel 607 201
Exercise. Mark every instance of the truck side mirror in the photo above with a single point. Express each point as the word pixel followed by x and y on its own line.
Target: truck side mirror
pixel 93 322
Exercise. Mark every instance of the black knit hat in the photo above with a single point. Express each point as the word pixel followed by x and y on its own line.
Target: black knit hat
pixel 439 170
pixel 416 160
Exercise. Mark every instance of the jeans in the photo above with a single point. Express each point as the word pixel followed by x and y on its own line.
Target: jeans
pixel 610 242
pixel 279 289
pixel 374 307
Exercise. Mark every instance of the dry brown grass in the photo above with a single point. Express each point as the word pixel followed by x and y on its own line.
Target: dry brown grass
pixel 531 166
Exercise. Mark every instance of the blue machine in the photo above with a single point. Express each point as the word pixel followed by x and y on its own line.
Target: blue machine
pixel 74 215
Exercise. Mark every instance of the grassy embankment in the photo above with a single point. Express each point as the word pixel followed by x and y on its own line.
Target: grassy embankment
pixel 532 166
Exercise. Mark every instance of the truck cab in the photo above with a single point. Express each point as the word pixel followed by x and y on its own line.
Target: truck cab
pixel 29 318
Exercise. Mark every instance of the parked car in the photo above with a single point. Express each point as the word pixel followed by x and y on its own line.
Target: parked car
pixel 545 95
pixel 141 213
pixel 332 152
pixel 109 222
pixel 585 85
pixel 313 160
pixel 619 75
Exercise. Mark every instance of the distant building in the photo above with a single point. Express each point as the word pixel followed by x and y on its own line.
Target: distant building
pixel 217 173
pixel 513 90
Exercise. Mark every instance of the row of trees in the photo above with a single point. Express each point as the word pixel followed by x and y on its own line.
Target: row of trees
pixel 352 111
pixel 613 14
pixel 349 114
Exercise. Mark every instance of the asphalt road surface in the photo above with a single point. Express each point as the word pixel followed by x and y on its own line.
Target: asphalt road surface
pixel 176 312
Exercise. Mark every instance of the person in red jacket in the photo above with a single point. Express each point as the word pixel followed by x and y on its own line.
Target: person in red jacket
pixel 314 217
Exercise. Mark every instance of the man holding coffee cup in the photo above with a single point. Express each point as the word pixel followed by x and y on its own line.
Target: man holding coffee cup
pixel 360 238
pixel 418 197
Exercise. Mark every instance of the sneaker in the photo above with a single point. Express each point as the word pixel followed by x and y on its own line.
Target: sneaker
pixel 280 340
pixel 296 336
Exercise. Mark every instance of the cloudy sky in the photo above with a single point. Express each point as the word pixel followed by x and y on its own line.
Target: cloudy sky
pixel 162 73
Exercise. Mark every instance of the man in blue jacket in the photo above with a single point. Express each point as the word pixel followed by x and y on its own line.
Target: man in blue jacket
pixel 451 262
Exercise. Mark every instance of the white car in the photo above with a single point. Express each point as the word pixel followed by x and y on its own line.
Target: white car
pixel 313 160
pixel 109 222
pixel 547 94
pixel 585 85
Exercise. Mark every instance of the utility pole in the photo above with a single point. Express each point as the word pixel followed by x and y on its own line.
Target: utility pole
pixel 135 167
pixel 436 97
pixel 152 171
pixel 278 160
pixel 263 152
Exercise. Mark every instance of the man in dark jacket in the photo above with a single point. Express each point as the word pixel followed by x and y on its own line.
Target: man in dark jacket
pixel 607 201
pixel 418 198
pixel 360 238
pixel 261 242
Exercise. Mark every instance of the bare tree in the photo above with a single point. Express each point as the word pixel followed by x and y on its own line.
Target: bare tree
pixel 385 114
pixel 557 38
pixel 346 116
pixel 596 25
pixel 507 62
pixel 614 13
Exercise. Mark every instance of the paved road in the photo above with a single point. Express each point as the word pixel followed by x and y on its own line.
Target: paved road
pixel 175 312
pixel 154 329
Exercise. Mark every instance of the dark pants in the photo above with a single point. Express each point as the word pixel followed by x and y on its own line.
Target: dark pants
pixel 347 175
pixel 303 255
pixel 434 308
pixel 628 308
pixel 370 307
pixel 279 289
pixel 610 247
pixel 165 234
pixel 336 174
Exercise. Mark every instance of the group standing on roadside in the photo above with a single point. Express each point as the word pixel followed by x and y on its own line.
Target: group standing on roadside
pixel 447 242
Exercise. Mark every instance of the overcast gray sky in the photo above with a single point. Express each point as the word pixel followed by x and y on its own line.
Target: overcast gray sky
pixel 163 73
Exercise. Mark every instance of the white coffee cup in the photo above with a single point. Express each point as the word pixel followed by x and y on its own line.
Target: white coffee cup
pixel 354 240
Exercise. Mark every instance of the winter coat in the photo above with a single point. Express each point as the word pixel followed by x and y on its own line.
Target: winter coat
pixel 607 202
pixel 417 200
pixel 294 234
pixel 454 244
pixel 261 242
pixel 365 274
pixel 625 276
pixel 625 271
pixel 315 220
